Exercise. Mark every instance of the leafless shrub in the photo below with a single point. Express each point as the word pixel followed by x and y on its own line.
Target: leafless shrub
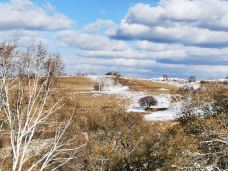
pixel 54 65
pixel 209 100
pixel 26 109
pixel 102 83
pixel 98 86
pixel 165 77
pixel 204 116
pixel 115 76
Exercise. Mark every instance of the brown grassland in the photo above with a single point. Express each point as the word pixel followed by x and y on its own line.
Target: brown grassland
pixel 147 86
pixel 117 140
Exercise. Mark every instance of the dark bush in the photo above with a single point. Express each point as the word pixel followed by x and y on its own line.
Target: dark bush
pixel 192 79
pixel 113 73
pixel 147 101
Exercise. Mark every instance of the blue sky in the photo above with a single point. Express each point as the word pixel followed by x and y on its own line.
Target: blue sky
pixel 139 38
pixel 86 11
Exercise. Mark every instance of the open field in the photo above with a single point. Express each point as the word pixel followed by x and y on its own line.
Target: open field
pixel 116 129
pixel 73 83
pixel 147 86
pixel 126 85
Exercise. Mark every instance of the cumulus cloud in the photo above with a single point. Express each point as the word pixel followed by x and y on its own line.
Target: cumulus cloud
pixel 185 52
pixel 146 68
pixel 166 38
pixel 116 62
pixel 28 23
pixel 87 41
pixel 106 26
pixel 200 71
pixel 191 22
pixel 178 37
pixel 134 53
pixel 24 14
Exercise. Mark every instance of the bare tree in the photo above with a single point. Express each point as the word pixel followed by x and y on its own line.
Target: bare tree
pixel 165 77
pixel 54 65
pixel 104 83
pixel 26 111
pixel 115 76
pixel 98 86
pixel 100 83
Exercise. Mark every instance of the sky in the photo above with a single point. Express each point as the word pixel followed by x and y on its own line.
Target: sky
pixel 138 38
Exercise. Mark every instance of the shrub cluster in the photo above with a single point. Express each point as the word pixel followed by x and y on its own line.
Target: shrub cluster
pixel 124 141
pixel 113 73
pixel 192 79
pixel 204 116
pixel 98 86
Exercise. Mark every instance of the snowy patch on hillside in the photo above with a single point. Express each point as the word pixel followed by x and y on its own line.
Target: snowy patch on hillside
pixel 161 115
pixel 193 85
pixel 164 100
pixel 166 115
pixel 171 81
pixel 217 80
pixel 108 85
pixel 178 82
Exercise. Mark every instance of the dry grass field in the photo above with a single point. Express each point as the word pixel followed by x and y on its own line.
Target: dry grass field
pixel 77 84
pixel 147 86
pixel 73 83
pixel 77 98
pixel 115 138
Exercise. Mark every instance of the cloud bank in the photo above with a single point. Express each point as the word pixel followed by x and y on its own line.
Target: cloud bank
pixel 177 37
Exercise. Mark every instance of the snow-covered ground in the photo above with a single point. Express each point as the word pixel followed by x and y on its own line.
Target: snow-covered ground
pixel 169 114
pixel 177 82
pixel 171 81
pixel 164 100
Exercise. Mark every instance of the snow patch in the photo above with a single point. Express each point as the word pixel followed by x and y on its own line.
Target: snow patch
pixel 164 100
pixel 166 115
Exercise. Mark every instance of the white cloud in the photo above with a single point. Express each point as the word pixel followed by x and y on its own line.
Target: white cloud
pixel 89 41
pixel 133 53
pixel 24 38
pixel 197 12
pixel 200 71
pixel 108 26
pixel 191 22
pixel 178 37
pixel 28 23
pixel 115 62
pixel 166 38
pixel 24 14
pixel 187 52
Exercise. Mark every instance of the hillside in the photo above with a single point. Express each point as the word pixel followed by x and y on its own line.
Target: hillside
pixel 112 125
